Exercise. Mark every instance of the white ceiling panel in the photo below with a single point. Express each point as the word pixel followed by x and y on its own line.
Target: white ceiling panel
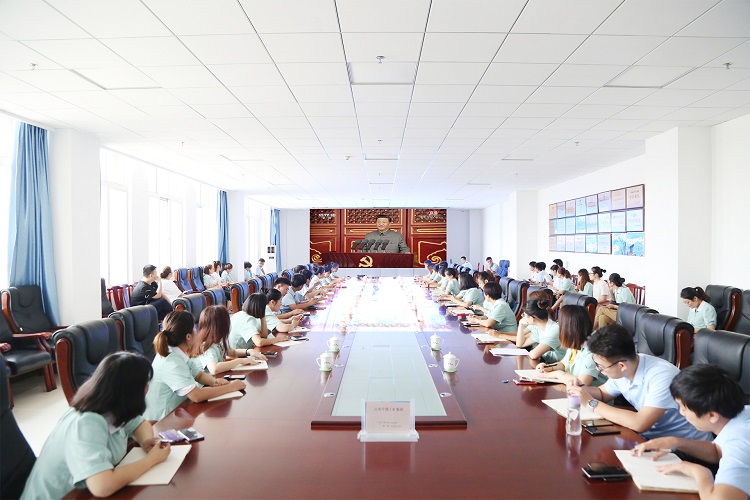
pixel 263 94
pixel 54 80
pixel 564 16
pixel 743 85
pixel 238 75
pixel 172 112
pixel 382 108
pixel 434 109
pixel 314 73
pixel 175 77
pixel 535 110
pixel 489 122
pixel 36 100
pixel 690 113
pixel 526 123
pixel 538 48
pixel 711 78
pixel 442 93
pixel 319 122
pixel 574 123
pixel 725 98
pixel 518 74
pixel 624 96
pixel 16 56
pixel 674 97
pixel 383 16
pixel 614 49
pixel 11 84
pixel 47 23
pixel 728 18
pixel 152 51
pixel 292 16
pixel 689 51
pixel 146 97
pixel 738 56
pixel 80 53
pixel 328 108
pixel 489 109
pixel 227 49
pixel 649 76
pixel 119 114
pixel 92 98
pixel 583 75
pixel 502 93
pixel 304 47
pixel 395 47
pixel 210 95
pixel 197 17
pixel 646 17
pixel 382 93
pixel 645 112
pixel 593 111
pixel 123 18
pixel 474 15
pixel 561 95
pixel 118 78
pixel 461 47
pixel 620 125
pixel 434 73
pixel 430 121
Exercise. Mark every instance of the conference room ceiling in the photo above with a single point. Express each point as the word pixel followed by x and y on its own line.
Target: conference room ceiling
pixel 292 101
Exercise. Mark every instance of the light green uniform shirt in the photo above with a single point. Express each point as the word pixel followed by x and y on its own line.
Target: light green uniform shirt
pixel 243 327
pixel 213 354
pixel 452 287
pixel 473 295
pixel 623 295
pixel 588 289
pixel 80 446
pixel 271 320
pixel 174 378
pixel 566 284
pixel 703 316
pixel 435 276
pixel 551 337
pixel 583 364
pixel 505 320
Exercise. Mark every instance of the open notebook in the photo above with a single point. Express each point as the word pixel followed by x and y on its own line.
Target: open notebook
pixel 560 405
pixel 262 365
pixel 645 476
pixel 486 338
pixel 159 474
pixel 535 376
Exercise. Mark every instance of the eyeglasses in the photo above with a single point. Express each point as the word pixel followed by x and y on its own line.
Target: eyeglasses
pixel 602 368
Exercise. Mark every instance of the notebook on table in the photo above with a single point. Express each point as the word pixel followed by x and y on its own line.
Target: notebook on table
pixel 643 471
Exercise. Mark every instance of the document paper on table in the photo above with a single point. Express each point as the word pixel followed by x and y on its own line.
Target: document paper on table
pixel 508 351
pixel 262 365
pixel 535 376
pixel 229 395
pixel 561 407
pixel 646 477
pixel 159 474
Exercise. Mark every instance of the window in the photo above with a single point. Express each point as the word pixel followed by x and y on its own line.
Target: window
pixel 113 220
pixel 207 235
pixel 166 234
pixel 7 137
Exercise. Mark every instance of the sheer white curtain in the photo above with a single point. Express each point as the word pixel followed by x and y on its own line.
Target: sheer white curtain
pixel 6 153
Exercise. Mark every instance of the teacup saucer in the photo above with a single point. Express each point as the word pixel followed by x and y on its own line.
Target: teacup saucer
pixel 322 370
pixel 436 349
pixel 337 350
pixel 449 371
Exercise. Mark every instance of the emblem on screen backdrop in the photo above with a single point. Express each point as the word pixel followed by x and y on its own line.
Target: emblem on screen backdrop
pixel 365 261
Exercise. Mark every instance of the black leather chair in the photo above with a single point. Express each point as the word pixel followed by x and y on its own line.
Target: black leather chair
pixel 196 279
pixel 537 288
pixel 726 300
pixel 137 327
pixel 517 296
pixel 182 278
pixel 16 457
pixel 25 312
pixel 727 350
pixel 504 284
pixel 288 273
pixel 586 301
pixel 27 354
pixel 240 292
pixel 743 321
pixel 665 337
pixel 215 297
pixel 255 285
pixel 628 315
pixel 79 350
pixel 194 304
pixel 107 308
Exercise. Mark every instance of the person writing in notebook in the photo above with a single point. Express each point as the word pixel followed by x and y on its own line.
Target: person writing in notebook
pixel 642 380
pixel 391 241
pixel 91 438
pixel 712 401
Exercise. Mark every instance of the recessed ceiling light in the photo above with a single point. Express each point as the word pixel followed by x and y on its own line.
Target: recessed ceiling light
pixel 399 73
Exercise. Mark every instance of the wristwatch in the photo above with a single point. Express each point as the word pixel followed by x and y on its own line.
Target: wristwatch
pixel 593 403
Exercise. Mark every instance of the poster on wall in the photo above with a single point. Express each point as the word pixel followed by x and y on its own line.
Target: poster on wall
pixel 618 200
pixel 618 222
pixel 580 243
pixel 561 210
pixel 561 243
pixel 570 243
pixel 570 208
pixel 570 225
pixel 581 224
pixel 604 223
pixel 635 220
pixel 635 196
pixel 603 243
pixel 618 243
pixel 592 204
pixel 590 243
pixel 605 201
pixel 552 211
pixel 559 226
pixel 591 223
pixel 551 227
pixel 634 244
pixel 580 206
pixel 552 244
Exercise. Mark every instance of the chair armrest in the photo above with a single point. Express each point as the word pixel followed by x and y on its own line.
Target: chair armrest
pixel 4 347
pixel 38 335
pixel 55 328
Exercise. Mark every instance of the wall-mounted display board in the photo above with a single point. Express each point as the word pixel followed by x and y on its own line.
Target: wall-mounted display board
pixel 610 222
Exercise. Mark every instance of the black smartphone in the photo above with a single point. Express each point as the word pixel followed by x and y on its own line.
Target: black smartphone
pixel 600 422
pixel 601 470
pixel 299 337
pixel 601 431
pixel 234 377
pixel 270 354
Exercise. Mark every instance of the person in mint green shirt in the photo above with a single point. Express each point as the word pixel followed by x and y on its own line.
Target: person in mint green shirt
pixel 537 330
pixel 702 314
pixel 607 314
pixel 499 315
pixel 450 283
pixel 91 438
pixel 469 294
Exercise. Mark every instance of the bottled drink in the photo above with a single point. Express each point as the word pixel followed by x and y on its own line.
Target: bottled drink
pixel 573 424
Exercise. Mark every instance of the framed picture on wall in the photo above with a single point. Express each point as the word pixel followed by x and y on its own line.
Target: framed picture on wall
pixel 618 200
pixel 634 244
pixel 561 210
pixel 561 243
pixel 580 243
pixel 553 211
pixel 592 223
pixel 635 196
pixel 592 204
pixel 580 206
pixel 635 220
pixel 552 227
pixel 603 243
pixel 570 225
pixel 619 242
pixel 617 222
pixel 604 222
pixel 552 244
pixel 605 201
pixel 559 226
pixel 581 224
pixel 591 243
pixel 570 243
pixel 570 208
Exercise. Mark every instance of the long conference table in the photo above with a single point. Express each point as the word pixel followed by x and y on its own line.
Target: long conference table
pixel 496 440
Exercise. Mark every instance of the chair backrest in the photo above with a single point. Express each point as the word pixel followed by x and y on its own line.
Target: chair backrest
pixel 629 315
pixel 727 350
pixel 255 286
pixel 266 282
pixel 194 304
pixel 118 300
pixel 183 280
pixel 639 293
pixel 106 304
pixel 16 457
pixel 586 301
pixel 665 337
pixel 196 279
pixel 127 291
pixel 137 326
pixel 26 310
pixel 538 288
pixel 726 300
pixel 240 292
pixel 79 350
pixel 504 268
pixel 215 297
pixel 743 320
pixel 517 296
pixel 287 273
pixel 504 283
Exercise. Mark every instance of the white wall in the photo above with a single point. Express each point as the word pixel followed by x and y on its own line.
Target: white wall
pixel 458 228
pixel 493 233
pixel 730 203
pixel 74 178
pixel 295 237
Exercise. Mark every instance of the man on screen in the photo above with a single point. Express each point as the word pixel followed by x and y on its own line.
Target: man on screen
pixel 391 241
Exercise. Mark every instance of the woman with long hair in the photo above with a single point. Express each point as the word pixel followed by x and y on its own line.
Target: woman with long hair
pixel 537 330
pixel 702 314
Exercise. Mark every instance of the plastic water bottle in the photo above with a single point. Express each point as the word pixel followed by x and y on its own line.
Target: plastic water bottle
pixel 573 423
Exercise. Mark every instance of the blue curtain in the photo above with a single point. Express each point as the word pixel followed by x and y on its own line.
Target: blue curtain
pixel 222 216
pixel 31 259
pixel 276 236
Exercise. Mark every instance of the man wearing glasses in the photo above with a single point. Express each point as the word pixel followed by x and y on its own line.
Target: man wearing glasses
pixel 642 380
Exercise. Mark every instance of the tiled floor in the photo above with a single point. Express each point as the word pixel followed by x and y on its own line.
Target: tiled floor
pixel 37 411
